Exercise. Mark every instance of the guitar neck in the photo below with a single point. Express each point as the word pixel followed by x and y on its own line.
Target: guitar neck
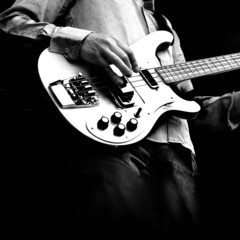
pixel 198 68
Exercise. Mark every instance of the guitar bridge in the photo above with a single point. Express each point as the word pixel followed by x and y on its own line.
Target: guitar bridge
pixel 75 92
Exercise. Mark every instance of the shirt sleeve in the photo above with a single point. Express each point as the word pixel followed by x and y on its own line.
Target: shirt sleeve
pixel 36 20
pixel 219 113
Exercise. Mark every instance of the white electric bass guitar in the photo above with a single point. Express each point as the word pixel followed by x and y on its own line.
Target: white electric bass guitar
pixel 123 115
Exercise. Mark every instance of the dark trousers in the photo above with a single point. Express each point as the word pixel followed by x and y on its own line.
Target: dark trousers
pixel 144 188
pixel 65 184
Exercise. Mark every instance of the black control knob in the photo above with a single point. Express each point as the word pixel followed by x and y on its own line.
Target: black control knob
pixel 132 124
pixel 116 117
pixel 119 130
pixel 103 123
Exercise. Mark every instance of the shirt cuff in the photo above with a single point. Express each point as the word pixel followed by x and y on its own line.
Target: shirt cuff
pixel 217 112
pixel 235 111
pixel 67 41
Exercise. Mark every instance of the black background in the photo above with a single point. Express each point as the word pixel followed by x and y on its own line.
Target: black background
pixel 206 29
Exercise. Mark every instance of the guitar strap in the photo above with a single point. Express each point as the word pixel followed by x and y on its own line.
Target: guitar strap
pixel 160 18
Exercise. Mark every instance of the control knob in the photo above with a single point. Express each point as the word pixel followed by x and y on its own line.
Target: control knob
pixel 132 124
pixel 103 123
pixel 119 130
pixel 116 117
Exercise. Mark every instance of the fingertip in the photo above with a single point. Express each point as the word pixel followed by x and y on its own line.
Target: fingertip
pixel 128 73
pixel 136 68
pixel 118 80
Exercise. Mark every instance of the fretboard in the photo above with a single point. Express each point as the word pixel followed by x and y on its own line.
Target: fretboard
pixel 199 68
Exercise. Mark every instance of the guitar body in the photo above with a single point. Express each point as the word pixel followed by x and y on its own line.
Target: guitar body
pixel 145 107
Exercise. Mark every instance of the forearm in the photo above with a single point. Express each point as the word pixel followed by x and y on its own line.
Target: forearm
pixel 235 108
pixel 29 23
pixel 26 20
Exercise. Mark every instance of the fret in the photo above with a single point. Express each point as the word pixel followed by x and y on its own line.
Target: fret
pixel 226 64
pixel 192 69
pixel 199 68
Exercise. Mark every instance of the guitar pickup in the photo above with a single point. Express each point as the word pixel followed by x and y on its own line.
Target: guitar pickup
pixel 149 79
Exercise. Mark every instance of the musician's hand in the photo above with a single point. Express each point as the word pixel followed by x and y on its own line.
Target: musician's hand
pixel 103 50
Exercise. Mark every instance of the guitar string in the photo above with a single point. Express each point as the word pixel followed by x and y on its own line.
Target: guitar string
pixel 106 90
pixel 182 69
pixel 187 66
pixel 174 68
